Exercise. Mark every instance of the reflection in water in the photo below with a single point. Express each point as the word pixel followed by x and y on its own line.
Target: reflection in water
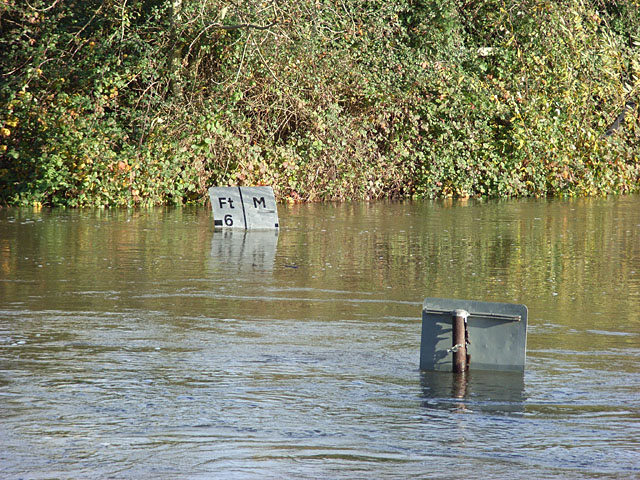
pixel 484 391
pixel 244 250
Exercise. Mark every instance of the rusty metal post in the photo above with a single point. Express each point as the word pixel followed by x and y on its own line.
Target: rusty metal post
pixel 459 385
pixel 459 346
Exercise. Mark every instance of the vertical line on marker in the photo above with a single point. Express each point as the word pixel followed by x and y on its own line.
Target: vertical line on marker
pixel 244 215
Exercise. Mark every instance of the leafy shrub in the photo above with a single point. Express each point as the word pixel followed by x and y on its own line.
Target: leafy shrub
pixel 148 102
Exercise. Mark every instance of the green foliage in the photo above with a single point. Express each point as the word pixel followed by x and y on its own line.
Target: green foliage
pixel 148 102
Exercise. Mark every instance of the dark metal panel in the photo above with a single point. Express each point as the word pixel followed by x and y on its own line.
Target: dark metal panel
pixel 497 334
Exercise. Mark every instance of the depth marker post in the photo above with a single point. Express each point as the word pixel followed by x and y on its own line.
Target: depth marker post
pixel 248 208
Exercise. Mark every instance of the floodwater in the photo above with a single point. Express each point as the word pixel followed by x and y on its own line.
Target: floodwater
pixel 142 344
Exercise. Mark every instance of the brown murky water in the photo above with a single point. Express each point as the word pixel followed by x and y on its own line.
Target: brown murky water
pixel 138 344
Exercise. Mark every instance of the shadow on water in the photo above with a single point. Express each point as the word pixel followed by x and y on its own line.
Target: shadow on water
pixel 494 392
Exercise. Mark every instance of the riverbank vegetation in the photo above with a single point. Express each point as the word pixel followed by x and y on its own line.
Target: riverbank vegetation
pixel 146 102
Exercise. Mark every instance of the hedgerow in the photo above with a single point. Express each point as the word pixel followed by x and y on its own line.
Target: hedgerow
pixel 134 102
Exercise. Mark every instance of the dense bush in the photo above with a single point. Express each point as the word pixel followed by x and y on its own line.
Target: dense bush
pixel 125 102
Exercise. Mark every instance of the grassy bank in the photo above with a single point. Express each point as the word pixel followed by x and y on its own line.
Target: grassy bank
pixel 150 102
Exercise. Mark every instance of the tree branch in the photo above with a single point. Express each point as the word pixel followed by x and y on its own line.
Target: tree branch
pixel 237 26
pixel 243 25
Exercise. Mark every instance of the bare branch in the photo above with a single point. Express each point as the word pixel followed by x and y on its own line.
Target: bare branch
pixel 219 26
pixel 246 25
pixel 42 9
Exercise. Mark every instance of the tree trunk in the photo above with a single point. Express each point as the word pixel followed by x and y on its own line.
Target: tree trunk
pixel 175 57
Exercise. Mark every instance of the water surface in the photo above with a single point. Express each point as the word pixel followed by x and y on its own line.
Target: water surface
pixel 142 343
